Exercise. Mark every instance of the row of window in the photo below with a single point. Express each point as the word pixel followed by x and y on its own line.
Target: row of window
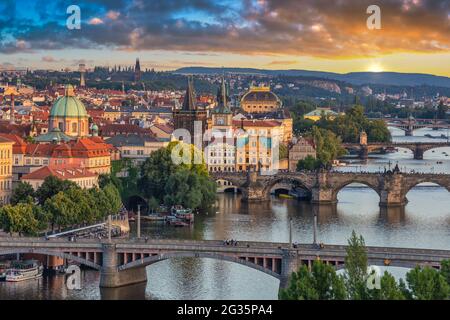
pixel 5 185
pixel 5 154
pixel 5 170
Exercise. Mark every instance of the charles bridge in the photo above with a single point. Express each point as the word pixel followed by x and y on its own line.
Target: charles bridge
pixel 324 186
pixel 122 262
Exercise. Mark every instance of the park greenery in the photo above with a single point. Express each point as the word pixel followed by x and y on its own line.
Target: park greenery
pixel 159 180
pixel 322 282
pixel 187 184
pixel 57 204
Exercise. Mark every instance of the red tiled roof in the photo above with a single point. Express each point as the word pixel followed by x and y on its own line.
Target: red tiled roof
pixel 64 174
pixel 19 145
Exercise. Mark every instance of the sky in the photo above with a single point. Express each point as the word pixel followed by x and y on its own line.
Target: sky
pixel 321 35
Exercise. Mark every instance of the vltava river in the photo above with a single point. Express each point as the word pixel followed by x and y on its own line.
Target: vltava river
pixel 423 223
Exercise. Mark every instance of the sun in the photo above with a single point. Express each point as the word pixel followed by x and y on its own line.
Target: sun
pixel 375 67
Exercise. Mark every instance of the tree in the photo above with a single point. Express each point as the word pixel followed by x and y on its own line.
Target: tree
pixel 52 186
pixel 442 110
pixel 445 270
pixel 321 283
pixel 356 268
pixel 115 202
pixel 389 289
pixel 328 146
pixel 22 193
pixel 309 163
pixel 63 212
pixel 427 284
pixel 19 219
pixel 171 183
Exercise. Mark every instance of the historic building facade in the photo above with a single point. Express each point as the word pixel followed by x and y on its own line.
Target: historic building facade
pixel 189 115
pixel 260 100
pixel 6 159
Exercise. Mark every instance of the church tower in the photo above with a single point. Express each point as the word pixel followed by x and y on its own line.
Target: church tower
pixel 137 71
pixel 189 114
pixel 222 115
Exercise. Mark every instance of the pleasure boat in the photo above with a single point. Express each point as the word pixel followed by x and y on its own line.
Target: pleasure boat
pixel 24 270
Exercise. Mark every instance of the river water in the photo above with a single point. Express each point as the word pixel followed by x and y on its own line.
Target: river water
pixel 423 223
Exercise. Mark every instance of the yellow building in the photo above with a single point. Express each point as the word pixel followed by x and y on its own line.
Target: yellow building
pixel 254 144
pixel 6 160
pixel 316 114
pixel 260 100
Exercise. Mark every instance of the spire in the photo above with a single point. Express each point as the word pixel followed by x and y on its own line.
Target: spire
pixel 189 102
pixel 222 98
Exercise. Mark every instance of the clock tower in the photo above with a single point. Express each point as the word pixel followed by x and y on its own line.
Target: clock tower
pixel 222 117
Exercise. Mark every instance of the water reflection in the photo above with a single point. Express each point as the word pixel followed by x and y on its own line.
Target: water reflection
pixel 423 223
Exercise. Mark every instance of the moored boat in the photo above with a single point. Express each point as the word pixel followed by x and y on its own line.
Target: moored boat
pixel 181 213
pixel 24 270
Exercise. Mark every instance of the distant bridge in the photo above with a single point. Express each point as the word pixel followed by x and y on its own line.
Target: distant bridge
pixel 418 148
pixel 410 124
pixel 122 262
pixel 324 186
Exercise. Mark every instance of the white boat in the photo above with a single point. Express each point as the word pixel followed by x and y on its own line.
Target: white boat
pixel 26 270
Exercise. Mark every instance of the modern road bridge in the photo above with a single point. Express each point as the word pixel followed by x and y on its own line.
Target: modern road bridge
pixel 122 262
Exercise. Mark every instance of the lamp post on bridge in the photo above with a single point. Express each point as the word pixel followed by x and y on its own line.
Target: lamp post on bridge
pixel 290 232
pixel 109 228
pixel 139 222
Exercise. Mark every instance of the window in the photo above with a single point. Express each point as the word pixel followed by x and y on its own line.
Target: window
pixel 74 127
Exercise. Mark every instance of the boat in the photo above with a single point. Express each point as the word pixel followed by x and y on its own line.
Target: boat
pixel 153 217
pixel 180 213
pixel 3 268
pixel 285 196
pixel 24 270
pixel 176 222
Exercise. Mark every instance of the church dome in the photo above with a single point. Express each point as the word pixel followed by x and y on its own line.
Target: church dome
pixel 260 94
pixel 68 105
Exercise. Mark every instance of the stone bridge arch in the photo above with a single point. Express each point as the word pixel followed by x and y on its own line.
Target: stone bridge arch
pixel 223 184
pixel 84 261
pixel 339 185
pixel 298 180
pixel 217 256
pixel 410 182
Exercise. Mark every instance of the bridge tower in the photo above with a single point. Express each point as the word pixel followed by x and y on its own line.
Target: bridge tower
pixel 364 150
pixel 253 189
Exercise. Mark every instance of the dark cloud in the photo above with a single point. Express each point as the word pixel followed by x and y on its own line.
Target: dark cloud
pixel 320 28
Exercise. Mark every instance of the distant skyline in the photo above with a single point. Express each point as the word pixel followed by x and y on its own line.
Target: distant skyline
pixel 267 34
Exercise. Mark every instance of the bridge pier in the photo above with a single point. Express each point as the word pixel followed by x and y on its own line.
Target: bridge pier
pixel 289 264
pixel 418 153
pixel 111 277
pixel 363 152
pixel 409 132
pixel 391 194
pixel 323 195
pixel 253 190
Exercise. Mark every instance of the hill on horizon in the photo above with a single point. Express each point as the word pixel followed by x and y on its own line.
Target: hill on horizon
pixel 355 78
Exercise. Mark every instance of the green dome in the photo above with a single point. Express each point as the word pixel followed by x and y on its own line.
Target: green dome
pixel 68 106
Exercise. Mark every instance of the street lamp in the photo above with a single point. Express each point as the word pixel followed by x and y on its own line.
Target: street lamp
pixel 290 232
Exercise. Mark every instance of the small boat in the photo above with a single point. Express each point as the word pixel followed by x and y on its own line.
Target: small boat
pixel 176 222
pixel 24 270
pixel 153 217
pixel 285 196
pixel 181 213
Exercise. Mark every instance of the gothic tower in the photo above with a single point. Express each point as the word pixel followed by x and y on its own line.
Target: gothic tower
pixel 137 71
pixel 189 114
